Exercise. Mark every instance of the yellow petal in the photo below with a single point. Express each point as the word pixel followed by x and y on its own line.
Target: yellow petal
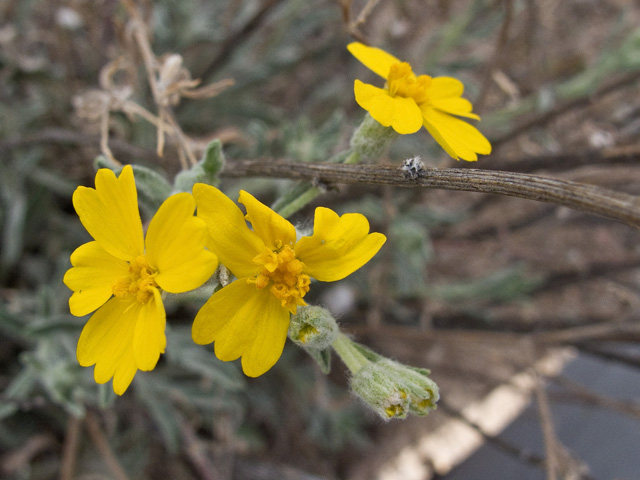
pixel 93 274
pixel 402 114
pixel 107 342
pixel 444 87
pixel 457 137
pixel 441 140
pixel 366 95
pixel 407 117
pixel 267 348
pixel 455 106
pixel 149 340
pixel 175 245
pixel 243 322
pixel 339 245
pixel 230 237
pixel 374 59
pixel 125 371
pixel 110 213
pixel 269 226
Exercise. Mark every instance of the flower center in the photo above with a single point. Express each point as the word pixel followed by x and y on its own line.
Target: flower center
pixel 140 282
pixel 282 271
pixel 402 82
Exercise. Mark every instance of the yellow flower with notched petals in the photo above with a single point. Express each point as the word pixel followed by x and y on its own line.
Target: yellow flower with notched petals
pixel 408 102
pixel 249 318
pixel 122 274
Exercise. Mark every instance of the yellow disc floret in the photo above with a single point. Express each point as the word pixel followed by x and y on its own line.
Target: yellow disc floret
pixel 283 272
pixel 140 282
pixel 402 82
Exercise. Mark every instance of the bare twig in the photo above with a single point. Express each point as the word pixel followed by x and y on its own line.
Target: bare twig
pixel 196 453
pixel 238 37
pixel 353 26
pixel 495 440
pixel 627 155
pixel 101 443
pixel 498 54
pixel 560 463
pixel 74 138
pixel 628 330
pixel 578 393
pixel 551 444
pixel 12 462
pixel 168 81
pixel 588 198
pixel 545 118
pixel 70 451
pixel 598 350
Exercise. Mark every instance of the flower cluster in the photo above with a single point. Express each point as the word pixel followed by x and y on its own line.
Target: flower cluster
pixel 250 317
pixel 121 275
pixel 408 102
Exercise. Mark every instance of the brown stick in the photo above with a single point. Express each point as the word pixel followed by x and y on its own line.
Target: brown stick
pixel 564 107
pixel 102 444
pixel 70 451
pixel 599 201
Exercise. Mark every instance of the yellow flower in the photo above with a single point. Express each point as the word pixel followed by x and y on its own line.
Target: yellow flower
pixel 249 318
pixel 408 102
pixel 122 274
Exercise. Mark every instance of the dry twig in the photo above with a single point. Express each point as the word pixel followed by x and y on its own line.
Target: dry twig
pixel 70 451
pixel 585 100
pixel 102 444
pixel 588 198
pixel 498 53
pixel 353 26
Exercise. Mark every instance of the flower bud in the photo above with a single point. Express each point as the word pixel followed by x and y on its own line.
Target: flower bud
pixel 393 389
pixel 380 391
pixel 422 391
pixel 313 327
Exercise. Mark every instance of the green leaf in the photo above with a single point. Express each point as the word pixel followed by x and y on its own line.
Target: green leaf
pixel 213 159
pixel 322 357
pixel 106 395
pixel 161 409
pixel 205 171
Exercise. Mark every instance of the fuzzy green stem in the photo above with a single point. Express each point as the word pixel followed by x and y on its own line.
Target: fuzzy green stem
pixel 368 143
pixel 351 356
pixel 296 199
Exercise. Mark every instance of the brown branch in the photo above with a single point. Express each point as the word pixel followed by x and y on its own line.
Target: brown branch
pixel 196 452
pixel 625 155
pixel 599 201
pixel 585 100
pixel 102 444
pixel 498 55
pixel 574 392
pixel 238 37
pixel 70 451
pixel 495 440
pixel 551 443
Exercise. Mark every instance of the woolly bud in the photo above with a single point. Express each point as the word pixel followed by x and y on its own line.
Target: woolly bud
pixel 393 390
pixel 390 388
pixel 313 327
pixel 380 391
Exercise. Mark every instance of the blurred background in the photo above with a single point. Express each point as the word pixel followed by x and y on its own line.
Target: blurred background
pixel 522 310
